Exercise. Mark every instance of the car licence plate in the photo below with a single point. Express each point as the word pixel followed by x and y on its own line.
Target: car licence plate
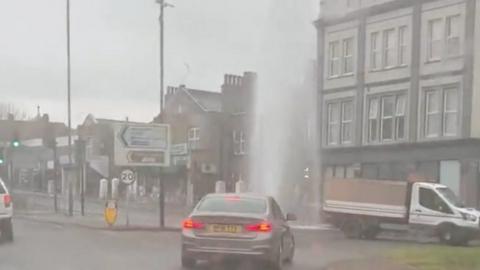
pixel 220 228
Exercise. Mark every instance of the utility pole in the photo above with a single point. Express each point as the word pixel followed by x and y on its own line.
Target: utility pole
pixel 162 44
pixel 161 185
pixel 69 104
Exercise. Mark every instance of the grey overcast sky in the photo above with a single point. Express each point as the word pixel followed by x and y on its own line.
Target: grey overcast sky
pixel 115 50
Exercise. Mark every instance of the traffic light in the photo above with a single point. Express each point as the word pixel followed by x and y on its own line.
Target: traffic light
pixel 306 173
pixel 2 156
pixel 16 143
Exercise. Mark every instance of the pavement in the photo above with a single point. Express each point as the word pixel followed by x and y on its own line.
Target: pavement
pixel 142 213
pixel 41 245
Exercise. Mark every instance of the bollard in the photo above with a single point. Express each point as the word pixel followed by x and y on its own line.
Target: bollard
pixel 240 187
pixel 115 183
pixel 220 187
pixel 51 187
pixel 103 189
pixel 132 190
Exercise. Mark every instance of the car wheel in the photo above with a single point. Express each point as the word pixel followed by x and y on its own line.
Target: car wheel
pixel 292 252
pixel 277 262
pixel 188 263
pixel 7 230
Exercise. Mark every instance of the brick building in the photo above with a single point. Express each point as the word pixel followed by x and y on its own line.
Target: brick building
pixel 238 111
pixel 195 119
pixel 31 164
pixel 210 131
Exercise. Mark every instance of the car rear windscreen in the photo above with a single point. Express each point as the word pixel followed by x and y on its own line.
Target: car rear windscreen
pixel 233 205
pixel 2 189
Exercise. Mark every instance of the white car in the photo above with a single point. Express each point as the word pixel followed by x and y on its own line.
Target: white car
pixel 6 212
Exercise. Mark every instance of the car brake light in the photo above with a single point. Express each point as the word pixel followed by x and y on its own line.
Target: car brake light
pixel 192 224
pixel 7 200
pixel 263 226
pixel 232 198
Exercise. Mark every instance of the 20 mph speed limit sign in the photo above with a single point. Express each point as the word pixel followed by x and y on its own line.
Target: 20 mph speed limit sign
pixel 128 177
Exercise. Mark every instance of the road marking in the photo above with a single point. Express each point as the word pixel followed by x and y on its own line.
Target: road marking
pixel 320 227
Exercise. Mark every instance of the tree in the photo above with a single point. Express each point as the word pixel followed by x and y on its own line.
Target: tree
pixel 7 109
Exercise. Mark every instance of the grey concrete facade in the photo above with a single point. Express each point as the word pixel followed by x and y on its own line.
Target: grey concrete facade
pixel 413 91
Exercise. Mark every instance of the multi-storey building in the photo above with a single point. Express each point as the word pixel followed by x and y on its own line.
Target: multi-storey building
pixel 399 91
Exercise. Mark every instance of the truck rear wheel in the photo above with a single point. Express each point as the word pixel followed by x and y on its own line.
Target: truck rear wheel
pixel 352 228
pixel 371 232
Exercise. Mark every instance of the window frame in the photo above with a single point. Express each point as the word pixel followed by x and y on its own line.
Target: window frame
pixel 379 118
pixel 346 122
pixel 193 137
pixel 402 46
pixel 441 92
pixel 399 115
pixel 375 51
pixel 239 143
pixel 387 50
pixel 334 61
pixel 333 124
pixel 431 40
pixel 386 118
pixel 449 37
pixel 338 125
pixel 445 111
pixel 373 118
pixel 347 57
pixel 437 201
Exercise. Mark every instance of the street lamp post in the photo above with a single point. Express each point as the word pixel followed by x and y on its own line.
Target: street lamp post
pixel 69 104
pixel 161 186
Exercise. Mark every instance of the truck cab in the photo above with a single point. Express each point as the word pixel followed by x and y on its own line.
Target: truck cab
pixel 436 206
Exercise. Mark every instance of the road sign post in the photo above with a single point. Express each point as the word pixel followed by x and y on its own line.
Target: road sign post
pixel 144 145
pixel 128 177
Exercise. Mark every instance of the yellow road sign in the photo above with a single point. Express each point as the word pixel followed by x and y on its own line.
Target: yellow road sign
pixel 111 212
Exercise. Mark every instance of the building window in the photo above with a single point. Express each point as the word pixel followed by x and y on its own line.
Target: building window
pixel 348 56
pixel 400 109
pixel 341 57
pixel 434 40
pixel 432 120
pixel 441 112
pixel 333 128
pixel 334 59
pixel 373 120
pixel 452 29
pixel 402 46
pixel 388 104
pixel 450 112
pixel 375 54
pixel 340 122
pixel 194 137
pixel 389 48
pixel 347 120
pixel 239 143
pixel 387 118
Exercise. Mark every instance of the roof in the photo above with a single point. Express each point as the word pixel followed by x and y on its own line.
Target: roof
pixel 208 101
pixel 27 130
pixel 91 120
